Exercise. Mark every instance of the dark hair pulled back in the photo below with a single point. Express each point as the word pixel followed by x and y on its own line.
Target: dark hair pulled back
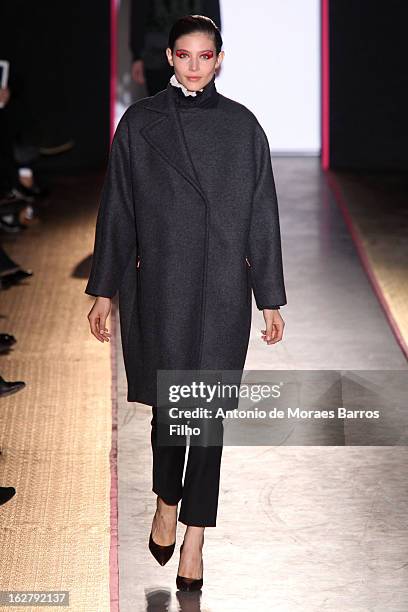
pixel 195 23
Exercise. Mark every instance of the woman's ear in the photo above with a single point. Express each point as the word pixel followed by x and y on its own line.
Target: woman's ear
pixel 169 56
pixel 219 59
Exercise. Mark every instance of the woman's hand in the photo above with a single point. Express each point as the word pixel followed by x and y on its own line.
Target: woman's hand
pixel 274 326
pixel 97 318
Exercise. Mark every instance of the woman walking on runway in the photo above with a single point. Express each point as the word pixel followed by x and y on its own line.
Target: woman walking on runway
pixel 187 224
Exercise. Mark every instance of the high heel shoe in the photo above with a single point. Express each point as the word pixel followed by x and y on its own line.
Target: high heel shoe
pixel 189 584
pixel 161 553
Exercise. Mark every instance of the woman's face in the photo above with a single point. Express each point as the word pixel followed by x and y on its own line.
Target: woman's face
pixel 194 60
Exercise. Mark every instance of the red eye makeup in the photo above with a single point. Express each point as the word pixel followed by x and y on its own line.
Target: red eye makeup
pixel 181 53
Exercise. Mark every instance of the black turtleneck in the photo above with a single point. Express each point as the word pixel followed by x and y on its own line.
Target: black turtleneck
pixel 208 98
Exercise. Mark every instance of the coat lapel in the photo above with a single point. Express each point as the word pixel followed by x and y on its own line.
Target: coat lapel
pixel 164 135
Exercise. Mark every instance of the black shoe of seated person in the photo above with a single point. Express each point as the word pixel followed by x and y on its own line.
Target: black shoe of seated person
pixel 7 339
pixel 6 342
pixel 10 197
pixel 30 194
pixel 10 223
pixel 8 280
pixel 8 388
pixel 6 493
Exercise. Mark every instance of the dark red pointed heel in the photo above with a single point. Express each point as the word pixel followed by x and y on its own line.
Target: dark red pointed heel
pixel 161 553
pixel 190 584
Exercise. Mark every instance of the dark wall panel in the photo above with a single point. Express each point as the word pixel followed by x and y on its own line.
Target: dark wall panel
pixel 60 53
pixel 368 84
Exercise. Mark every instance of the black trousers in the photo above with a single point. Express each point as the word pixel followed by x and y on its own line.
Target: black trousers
pixel 199 494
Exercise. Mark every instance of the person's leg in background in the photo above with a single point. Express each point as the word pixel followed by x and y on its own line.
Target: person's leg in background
pixel 8 167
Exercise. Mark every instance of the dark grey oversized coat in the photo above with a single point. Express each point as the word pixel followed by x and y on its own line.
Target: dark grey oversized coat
pixel 184 242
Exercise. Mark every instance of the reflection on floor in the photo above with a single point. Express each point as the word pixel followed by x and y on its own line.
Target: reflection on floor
pixel 375 210
pixel 299 528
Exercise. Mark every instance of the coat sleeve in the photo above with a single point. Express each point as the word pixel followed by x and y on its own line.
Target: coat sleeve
pixel 264 242
pixel 115 232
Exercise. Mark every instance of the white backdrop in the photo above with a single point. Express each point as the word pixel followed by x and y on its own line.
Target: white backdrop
pixel 271 64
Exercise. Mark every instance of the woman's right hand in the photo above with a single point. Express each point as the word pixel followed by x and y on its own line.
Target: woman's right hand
pixel 97 318
pixel 274 326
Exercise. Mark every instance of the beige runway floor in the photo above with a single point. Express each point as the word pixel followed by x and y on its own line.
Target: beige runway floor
pixel 56 433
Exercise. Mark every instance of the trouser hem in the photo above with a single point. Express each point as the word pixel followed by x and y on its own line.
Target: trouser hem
pixel 167 500
pixel 193 523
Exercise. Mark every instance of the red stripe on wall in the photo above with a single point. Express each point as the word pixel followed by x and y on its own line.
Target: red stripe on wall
pixel 325 67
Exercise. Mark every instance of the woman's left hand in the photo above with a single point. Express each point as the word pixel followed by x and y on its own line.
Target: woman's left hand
pixel 274 326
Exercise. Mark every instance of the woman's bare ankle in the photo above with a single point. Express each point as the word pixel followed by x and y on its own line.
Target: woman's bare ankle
pixel 194 536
